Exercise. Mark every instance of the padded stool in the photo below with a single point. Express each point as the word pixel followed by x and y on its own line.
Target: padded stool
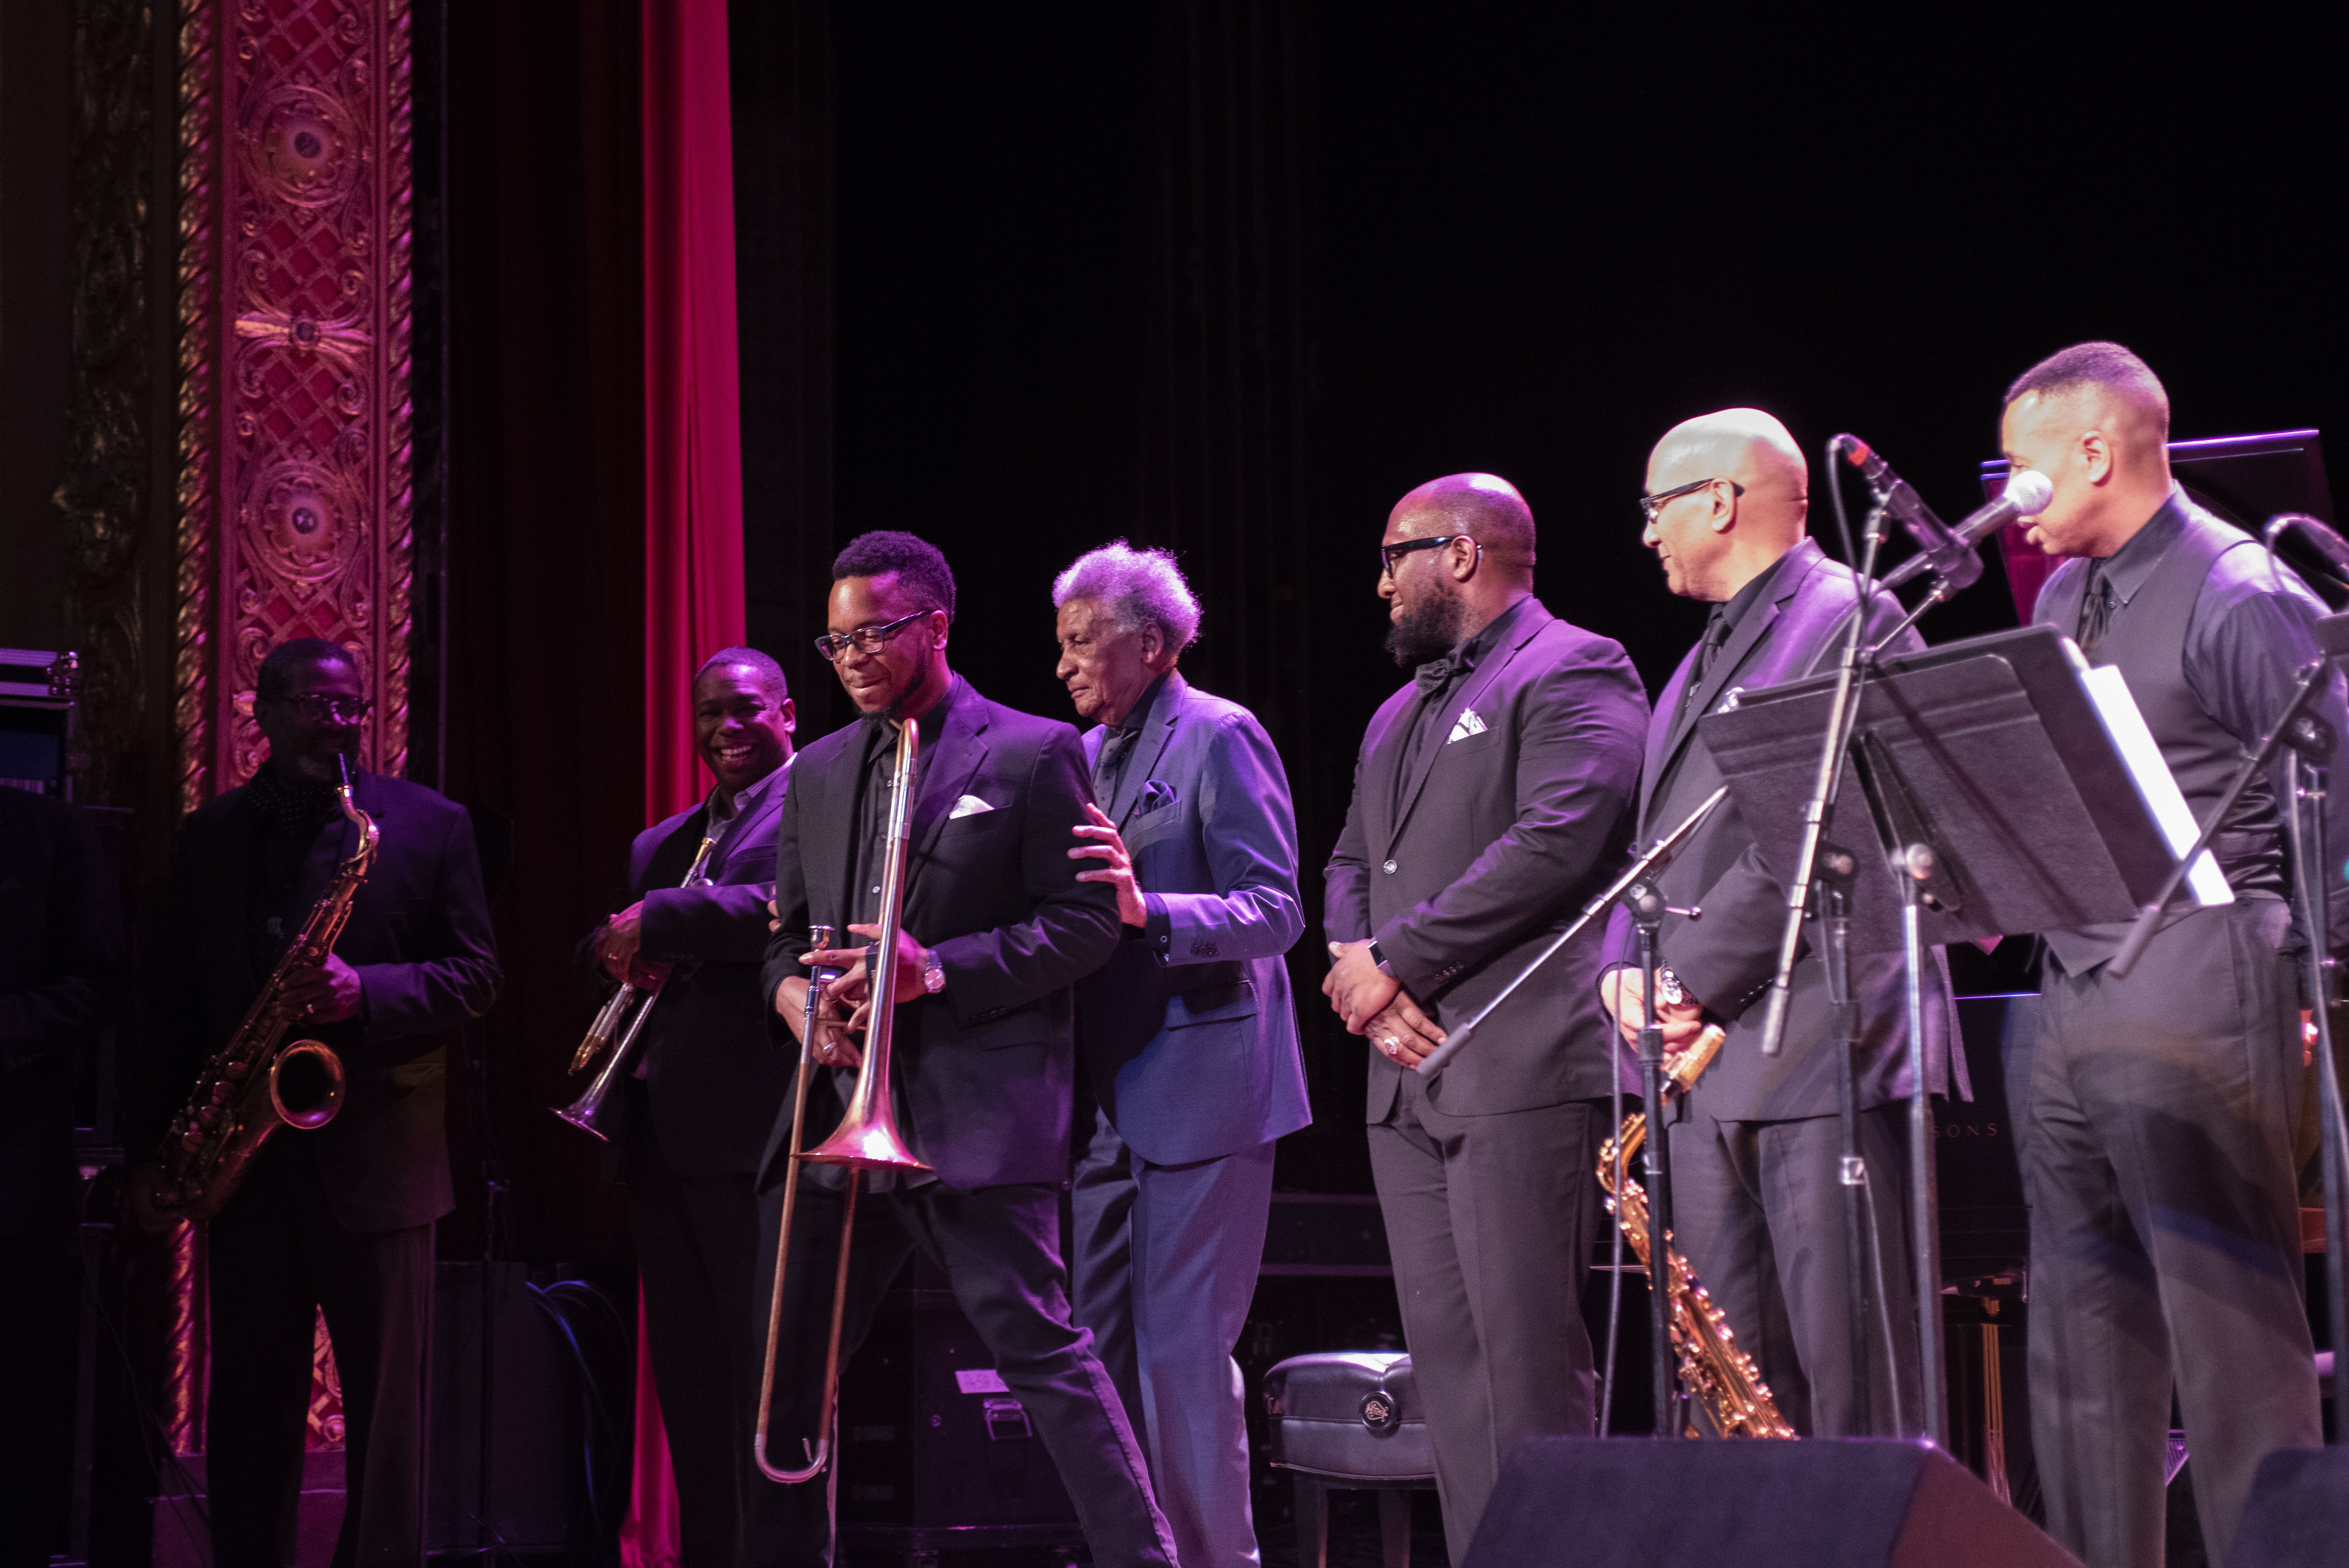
pixel 1349 1418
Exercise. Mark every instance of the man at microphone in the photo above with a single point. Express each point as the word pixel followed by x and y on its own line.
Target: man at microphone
pixel 1757 1201
pixel 2155 1112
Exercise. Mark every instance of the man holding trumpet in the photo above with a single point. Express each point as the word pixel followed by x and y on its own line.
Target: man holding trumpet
pixel 996 930
pixel 694 1108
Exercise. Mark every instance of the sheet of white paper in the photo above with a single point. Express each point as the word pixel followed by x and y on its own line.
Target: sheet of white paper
pixel 2155 784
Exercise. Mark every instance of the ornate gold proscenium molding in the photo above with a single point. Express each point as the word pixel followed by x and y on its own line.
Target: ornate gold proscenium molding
pixel 295 410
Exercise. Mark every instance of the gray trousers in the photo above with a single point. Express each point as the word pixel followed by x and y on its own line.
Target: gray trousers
pixel 999 1249
pixel 2156 1115
pixel 1757 1207
pixel 1165 1262
pixel 1490 1221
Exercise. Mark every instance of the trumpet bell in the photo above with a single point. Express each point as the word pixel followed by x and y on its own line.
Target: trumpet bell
pixel 588 1113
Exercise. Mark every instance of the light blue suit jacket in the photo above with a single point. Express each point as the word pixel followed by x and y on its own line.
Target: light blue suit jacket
pixel 1189 1031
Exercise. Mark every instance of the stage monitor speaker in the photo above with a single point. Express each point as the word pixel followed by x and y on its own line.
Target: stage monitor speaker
pixel 2299 1513
pixel 1638 1502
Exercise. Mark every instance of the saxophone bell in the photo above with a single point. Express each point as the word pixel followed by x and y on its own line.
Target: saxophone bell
pixel 306 1084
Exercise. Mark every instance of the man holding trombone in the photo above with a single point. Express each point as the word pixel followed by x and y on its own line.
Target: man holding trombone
pixel 687 1103
pixel 947 850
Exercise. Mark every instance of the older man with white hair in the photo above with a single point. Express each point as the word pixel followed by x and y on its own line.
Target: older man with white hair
pixel 1188 1033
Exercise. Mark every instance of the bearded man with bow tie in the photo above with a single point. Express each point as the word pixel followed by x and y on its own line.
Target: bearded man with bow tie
pixel 1493 796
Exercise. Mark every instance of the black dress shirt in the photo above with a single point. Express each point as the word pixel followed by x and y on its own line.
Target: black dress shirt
pixel 2244 649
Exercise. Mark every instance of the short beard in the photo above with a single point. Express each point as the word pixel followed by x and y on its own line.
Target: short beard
pixel 1428 630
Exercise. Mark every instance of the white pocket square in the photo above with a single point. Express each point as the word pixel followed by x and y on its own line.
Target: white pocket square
pixel 969 806
pixel 1466 725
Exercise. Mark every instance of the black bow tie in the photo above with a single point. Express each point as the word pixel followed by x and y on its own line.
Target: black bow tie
pixel 1436 674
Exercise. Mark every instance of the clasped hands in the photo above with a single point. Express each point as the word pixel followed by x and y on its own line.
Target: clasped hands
pixel 845 1008
pixel 1374 1005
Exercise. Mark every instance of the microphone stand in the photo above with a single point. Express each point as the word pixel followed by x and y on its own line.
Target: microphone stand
pixel 2311 753
pixel 1823 873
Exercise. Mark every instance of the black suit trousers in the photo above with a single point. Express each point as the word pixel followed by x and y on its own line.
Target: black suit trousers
pixel 1758 1209
pixel 1000 1249
pixel 698 1247
pixel 277 1257
pixel 1490 1221
pixel 2156 1118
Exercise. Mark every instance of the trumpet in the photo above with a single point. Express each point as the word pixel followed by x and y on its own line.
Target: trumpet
pixel 867 1137
pixel 588 1112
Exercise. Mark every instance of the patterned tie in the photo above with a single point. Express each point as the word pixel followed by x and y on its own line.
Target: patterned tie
pixel 1115 743
pixel 2095 608
pixel 1716 633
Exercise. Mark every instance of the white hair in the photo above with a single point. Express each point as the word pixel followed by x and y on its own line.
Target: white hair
pixel 1137 588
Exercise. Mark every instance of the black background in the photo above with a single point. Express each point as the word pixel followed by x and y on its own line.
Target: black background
pixel 1532 238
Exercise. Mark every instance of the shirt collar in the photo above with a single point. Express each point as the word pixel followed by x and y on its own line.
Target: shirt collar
pixel 1741 604
pixel 882 733
pixel 746 798
pixel 1469 651
pixel 2128 568
pixel 1141 711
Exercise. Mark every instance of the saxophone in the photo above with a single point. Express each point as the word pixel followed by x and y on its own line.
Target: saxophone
pixel 258 1082
pixel 1719 1378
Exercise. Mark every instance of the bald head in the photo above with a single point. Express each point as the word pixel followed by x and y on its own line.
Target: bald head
pixel 2095 421
pixel 1717 536
pixel 1442 592
pixel 1486 507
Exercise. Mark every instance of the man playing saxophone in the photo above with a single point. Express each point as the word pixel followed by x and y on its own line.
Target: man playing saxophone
pixel 1755 1202
pixel 339 1218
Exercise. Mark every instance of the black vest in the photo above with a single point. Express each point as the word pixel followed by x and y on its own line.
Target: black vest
pixel 2147 640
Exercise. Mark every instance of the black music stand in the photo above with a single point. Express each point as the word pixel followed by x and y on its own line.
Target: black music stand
pixel 1995 803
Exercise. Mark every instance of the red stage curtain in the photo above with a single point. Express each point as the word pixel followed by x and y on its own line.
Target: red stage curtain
pixel 693 422
pixel 693 497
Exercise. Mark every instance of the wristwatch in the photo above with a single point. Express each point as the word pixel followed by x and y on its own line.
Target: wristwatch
pixel 1378 957
pixel 934 975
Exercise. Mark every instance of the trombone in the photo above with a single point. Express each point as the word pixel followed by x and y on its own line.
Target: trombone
pixel 588 1112
pixel 867 1137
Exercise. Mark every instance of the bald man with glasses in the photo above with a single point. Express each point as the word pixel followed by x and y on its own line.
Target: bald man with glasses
pixel 1492 797
pixel 1756 1192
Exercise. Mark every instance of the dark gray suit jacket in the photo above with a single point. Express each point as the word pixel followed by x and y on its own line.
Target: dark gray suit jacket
pixel 1728 957
pixel 419 937
pixel 1506 827
pixel 712 1075
pixel 1190 1033
pixel 983 1072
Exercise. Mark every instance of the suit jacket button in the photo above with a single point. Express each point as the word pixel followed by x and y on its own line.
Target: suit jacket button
pixel 1388 868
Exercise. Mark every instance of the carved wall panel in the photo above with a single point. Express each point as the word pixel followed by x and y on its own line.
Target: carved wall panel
pixel 294 362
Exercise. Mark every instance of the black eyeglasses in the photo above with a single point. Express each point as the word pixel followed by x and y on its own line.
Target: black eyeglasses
pixel 1652 504
pixel 1389 554
pixel 320 709
pixel 868 639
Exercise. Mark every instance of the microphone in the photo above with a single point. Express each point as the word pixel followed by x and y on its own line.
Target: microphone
pixel 2328 543
pixel 2028 493
pixel 1956 562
